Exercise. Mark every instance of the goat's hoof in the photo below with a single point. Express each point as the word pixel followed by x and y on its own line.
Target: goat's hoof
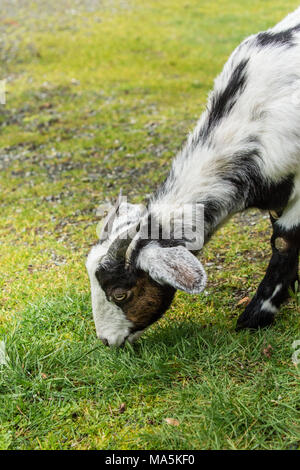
pixel 253 317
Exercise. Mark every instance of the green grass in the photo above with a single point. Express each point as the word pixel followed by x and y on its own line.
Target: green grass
pixel 97 101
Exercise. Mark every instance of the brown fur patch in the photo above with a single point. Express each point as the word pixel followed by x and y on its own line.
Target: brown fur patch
pixel 148 302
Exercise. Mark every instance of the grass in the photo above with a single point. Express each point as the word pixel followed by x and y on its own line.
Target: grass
pixel 98 100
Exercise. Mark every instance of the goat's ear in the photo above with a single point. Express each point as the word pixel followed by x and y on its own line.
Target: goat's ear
pixel 175 266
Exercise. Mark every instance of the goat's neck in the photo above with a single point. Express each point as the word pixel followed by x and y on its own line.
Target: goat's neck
pixel 214 211
pixel 220 196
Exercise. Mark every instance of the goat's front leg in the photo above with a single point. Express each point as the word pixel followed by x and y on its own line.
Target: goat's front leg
pixel 281 275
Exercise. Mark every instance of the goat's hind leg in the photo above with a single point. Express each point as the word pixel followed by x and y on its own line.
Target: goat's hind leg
pixel 281 275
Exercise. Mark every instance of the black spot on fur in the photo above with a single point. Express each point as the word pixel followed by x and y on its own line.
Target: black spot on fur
pixel 223 102
pixel 248 189
pixel 246 177
pixel 113 275
pixel 272 196
pixel 282 38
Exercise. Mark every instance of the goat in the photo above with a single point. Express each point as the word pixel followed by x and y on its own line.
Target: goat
pixel 243 153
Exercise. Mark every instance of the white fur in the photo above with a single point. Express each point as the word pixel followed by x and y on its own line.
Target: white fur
pixel 291 215
pixel 110 321
pixel 268 304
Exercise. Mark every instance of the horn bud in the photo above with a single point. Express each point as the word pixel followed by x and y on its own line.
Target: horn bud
pixel 108 222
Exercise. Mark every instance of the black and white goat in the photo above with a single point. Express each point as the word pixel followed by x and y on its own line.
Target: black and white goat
pixel 244 152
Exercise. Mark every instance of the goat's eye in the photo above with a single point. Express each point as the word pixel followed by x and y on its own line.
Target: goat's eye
pixel 119 296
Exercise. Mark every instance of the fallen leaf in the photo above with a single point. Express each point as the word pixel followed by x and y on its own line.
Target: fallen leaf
pixel 46 106
pixel 267 351
pixel 244 301
pixel 122 408
pixel 150 421
pixel 172 421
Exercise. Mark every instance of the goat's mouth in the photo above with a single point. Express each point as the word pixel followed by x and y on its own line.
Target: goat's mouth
pixel 116 344
pixel 135 336
pixel 120 343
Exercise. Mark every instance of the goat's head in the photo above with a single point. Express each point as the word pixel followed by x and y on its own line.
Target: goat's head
pixel 133 279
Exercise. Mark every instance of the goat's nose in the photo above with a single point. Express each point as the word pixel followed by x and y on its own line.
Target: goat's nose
pixel 104 341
